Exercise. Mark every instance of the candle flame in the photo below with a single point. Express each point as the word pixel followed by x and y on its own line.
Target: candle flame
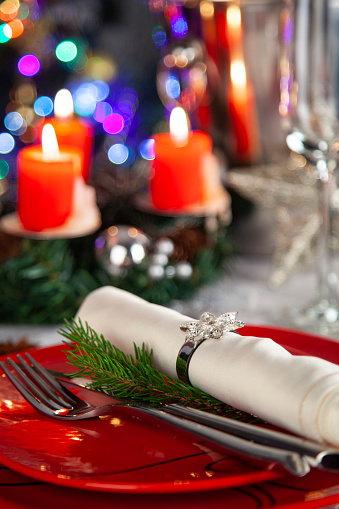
pixel 233 16
pixel 50 147
pixel 238 73
pixel 179 127
pixel 63 104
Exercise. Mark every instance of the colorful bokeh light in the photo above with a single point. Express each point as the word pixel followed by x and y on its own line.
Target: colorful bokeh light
pixel 9 9
pixel 17 28
pixel 102 110
pixel 23 12
pixel 179 26
pixel 102 90
pixel 146 149
pixel 118 153
pixel 84 99
pixel 43 106
pixel 29 65
pixel 99 242
pixel 13 121
pixel 113 124
pixel 4 168
pixel 5 33
pixel 173 88
pixel 66 51
pixel 159 37
pixel 7 143
pixel 35 10
pixel 288 31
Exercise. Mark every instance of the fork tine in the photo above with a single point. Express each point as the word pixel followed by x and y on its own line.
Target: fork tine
pixel 33 391
pixel 31 398
pixel 69 397
pixel 64 401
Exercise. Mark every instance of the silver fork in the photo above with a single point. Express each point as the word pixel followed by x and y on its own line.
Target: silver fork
pixel 52 398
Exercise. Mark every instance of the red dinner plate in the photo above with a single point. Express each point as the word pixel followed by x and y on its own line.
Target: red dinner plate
pixel 130 452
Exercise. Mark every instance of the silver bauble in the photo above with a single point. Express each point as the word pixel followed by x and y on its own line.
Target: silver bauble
pixel 120 247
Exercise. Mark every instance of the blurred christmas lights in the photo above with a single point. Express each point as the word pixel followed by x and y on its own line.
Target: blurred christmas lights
pixel 118 153
pixel 7 143
pixel 43 106
pixel 66 51
pixel 113 124
pixel 29 65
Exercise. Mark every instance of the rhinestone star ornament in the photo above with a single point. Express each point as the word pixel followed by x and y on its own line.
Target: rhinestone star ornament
pixel 211 327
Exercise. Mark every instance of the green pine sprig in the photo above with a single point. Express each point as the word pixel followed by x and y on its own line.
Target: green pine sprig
pixel 134 379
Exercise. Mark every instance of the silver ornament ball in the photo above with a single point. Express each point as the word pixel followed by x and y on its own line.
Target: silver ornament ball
pixel 120 247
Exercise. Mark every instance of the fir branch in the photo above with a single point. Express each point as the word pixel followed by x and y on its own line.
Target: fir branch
pixel 134 379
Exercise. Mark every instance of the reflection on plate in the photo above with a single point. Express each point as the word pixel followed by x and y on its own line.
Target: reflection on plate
pixel 129 452
pixel 316 490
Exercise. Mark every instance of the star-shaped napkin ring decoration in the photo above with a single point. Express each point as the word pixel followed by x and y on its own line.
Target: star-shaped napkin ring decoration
pixel 207 327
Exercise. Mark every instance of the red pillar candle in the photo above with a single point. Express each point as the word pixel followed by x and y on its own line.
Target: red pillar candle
pixel 241 102
pixel 46 183
pixel 240 97
pixel 177 182
pixel 71 131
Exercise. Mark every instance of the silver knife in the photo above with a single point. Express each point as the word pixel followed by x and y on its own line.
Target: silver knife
pixel 313 454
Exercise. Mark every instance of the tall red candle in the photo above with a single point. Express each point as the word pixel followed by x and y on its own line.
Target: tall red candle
pixel 177 182
pixel 241 102
pixel 240 98
pixel 45 187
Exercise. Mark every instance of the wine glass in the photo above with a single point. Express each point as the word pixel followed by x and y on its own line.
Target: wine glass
pixel 309 108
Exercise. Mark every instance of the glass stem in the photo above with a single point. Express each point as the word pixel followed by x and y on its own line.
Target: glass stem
pixel 327 278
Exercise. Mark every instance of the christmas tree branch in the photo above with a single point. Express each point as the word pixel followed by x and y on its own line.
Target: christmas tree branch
pixel 133 378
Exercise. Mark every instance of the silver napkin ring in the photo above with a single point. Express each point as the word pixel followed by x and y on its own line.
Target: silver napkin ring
pixel 207 327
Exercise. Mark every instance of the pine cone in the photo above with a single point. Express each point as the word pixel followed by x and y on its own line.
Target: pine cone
pixel 187 243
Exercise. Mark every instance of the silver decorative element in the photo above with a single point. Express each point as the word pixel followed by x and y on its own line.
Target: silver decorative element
pixel 120 247
pixel 288 190
pixel 211 327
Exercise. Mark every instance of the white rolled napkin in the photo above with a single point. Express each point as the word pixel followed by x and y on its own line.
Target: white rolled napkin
pixel 256 375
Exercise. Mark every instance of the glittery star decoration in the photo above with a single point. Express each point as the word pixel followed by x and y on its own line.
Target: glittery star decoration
pixel 211 327
pixel 289 191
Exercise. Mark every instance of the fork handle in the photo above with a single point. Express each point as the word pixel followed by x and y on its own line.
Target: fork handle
pixel 292 461
pixel 318 455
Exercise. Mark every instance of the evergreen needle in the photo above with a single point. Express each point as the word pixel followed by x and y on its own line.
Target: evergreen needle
pixel 134 378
